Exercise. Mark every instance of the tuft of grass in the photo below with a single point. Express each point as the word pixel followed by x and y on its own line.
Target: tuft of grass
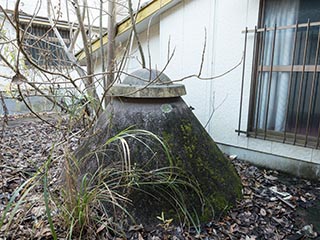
pixel 99 202
pixel 46 195
pixel 106 192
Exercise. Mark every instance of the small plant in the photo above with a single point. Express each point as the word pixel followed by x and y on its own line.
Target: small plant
pixel 98 203
pixel 165 223
pixel 106 192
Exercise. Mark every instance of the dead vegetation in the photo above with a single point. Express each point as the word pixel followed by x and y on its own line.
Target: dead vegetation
pixel 274 206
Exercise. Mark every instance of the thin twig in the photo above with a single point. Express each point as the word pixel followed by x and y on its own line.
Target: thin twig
pixel 286 202
pixel 5 115
pixel 203 52
pixel 34 113
pixel 214 110
pixel 211 77
pixel 133 22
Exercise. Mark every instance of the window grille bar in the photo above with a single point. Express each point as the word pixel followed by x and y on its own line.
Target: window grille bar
pixel 290 82
pixel 312 89
pixel 270 81
pixel 43 46
pixel 318 138
pixel 263 42
pixel 242 80
pixel 254 74
pixel 301 25
pixel 301 83
pixel 301 125
pixel 287 68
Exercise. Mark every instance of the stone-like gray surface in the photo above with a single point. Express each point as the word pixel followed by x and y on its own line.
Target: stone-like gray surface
pixel 145 76
pixel 191 147
pixel 145 83
pixel 161 91
pixel 154 104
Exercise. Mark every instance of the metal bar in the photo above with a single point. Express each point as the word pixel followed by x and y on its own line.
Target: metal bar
pixel 301 25
pixel 301 83
pixel 241 131
pixel 290 82
pixel 263 42
pixel 318 137
pixel 295 86
pixel 312 89
pixel 242 81
pixel 270 80
pixel 289 68
pixel 253 87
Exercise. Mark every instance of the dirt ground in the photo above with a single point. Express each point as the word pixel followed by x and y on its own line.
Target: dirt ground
pixel 274 205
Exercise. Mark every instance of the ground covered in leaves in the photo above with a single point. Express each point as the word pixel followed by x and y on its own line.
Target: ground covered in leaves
pixel 274 206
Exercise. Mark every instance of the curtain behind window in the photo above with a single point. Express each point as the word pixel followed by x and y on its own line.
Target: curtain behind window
pixel 281 13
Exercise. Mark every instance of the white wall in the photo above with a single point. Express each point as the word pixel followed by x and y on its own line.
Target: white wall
pixel 149 40
pixel 224 20
pixel 184 26
pixel 150 44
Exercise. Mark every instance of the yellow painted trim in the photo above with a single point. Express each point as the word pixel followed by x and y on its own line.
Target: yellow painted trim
pixel 143 14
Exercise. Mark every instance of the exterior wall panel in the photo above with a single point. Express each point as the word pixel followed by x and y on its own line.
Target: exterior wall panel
pixel 224 23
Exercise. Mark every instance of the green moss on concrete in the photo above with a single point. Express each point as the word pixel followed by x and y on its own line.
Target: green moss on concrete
pixel 193 151
pixel 217 177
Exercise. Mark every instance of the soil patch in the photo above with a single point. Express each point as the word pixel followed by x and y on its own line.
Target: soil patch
pixel 274 206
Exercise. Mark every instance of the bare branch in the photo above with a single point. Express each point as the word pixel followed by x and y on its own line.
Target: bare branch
pixel 110 45
pixel 203 52
pixel 5 115
pixel 89 83
pixel 148 42
pixel 103 63
pixel 20 44
pixel 4 59
pixel 211 77
pixel 29 83
pixel 133 22
pixel 33 112
pixel 214 110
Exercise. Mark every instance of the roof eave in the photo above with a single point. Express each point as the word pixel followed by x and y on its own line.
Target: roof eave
pixel 151 10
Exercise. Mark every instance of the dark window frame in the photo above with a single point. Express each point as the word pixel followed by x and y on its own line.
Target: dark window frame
pixel 43 46
pixel 253 131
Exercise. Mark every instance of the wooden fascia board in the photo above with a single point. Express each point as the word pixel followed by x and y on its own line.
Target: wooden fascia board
pixel 143 14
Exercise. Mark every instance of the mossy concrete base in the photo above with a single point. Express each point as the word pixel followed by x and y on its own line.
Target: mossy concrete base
pixel 192 149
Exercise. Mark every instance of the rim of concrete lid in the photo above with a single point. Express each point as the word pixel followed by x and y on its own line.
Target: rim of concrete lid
pixel 145 83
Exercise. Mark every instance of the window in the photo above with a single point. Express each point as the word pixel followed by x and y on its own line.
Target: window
pixel 43 46
pixel 285 97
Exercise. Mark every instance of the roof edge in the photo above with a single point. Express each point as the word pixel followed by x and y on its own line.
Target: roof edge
pixel 152 8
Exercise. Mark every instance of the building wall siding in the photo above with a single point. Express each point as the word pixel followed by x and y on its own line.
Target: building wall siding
pixel 184 27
